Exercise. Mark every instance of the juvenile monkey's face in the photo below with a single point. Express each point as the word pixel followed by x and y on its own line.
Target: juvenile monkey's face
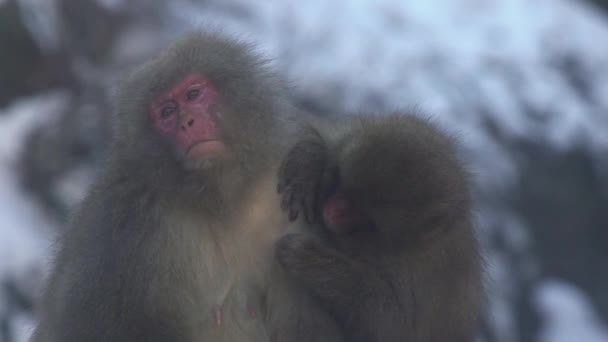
pixel 341 215
pixel 187 117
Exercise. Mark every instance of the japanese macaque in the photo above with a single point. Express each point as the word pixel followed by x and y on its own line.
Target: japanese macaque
pixel 390 250
pixel 175 241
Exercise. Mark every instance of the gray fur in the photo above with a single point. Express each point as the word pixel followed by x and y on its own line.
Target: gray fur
pixel 155 249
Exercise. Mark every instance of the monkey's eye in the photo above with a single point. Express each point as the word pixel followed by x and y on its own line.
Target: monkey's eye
pixel 193 93
pixel 167 110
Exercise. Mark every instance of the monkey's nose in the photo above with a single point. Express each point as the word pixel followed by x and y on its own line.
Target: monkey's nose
pixel 188 122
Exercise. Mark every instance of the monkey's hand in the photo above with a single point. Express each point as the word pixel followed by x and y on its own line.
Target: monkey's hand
pixel 354 292
pixel 301 177
pixel 329 274
pixel 324 271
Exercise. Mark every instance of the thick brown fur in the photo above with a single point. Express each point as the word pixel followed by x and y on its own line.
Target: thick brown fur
pixel 160 253
pixel 411 270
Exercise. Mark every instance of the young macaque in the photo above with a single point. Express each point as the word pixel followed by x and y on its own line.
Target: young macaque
pixel 386 241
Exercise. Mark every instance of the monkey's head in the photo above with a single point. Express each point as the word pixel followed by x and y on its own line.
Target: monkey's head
pixel 400 172
pixel 204 109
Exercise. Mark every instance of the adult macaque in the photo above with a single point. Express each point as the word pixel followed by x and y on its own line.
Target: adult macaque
pixel 175 241
pixel 395 257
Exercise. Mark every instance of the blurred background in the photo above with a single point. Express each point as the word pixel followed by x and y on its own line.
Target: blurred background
pixel 524 83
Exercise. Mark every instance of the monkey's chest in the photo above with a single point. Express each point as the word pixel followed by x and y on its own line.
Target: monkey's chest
pixel 232 270
pixel 223 268
pixel 234 314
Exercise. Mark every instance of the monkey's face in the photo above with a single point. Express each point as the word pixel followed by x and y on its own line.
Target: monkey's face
pixel 187 118
pixel 204 114
pixel 341 215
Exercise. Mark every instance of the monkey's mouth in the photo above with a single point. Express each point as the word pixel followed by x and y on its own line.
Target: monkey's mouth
pixel 204 149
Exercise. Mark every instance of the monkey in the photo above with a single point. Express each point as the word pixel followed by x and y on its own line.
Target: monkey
pixel 386 239
pixel 174 241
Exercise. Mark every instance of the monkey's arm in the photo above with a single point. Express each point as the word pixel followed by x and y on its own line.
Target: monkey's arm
pixel 302 175
pixel 356 294
pixel 97 290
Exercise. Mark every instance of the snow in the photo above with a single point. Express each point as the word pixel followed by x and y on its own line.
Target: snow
pixel 568 314
pixel 42 19
pixel 21 222
pixel 24 228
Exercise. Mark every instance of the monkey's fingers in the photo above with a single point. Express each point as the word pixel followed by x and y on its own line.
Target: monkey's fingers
pixel 287 198
pixel 290 196
pixel 293 214
pixel 280 187
pixel 322 269
pixel 297 203
pixel 285 175
pixel 284 180
pixel 309 205
pixel 294 251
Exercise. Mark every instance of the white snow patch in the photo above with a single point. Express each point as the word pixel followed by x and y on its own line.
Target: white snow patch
pixel 72 187
pixel 568 314
pixel 24 228
pixel 41 17
pixel 23 327
pixel 21 222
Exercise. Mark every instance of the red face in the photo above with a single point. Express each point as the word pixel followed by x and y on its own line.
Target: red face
pixel 187 117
